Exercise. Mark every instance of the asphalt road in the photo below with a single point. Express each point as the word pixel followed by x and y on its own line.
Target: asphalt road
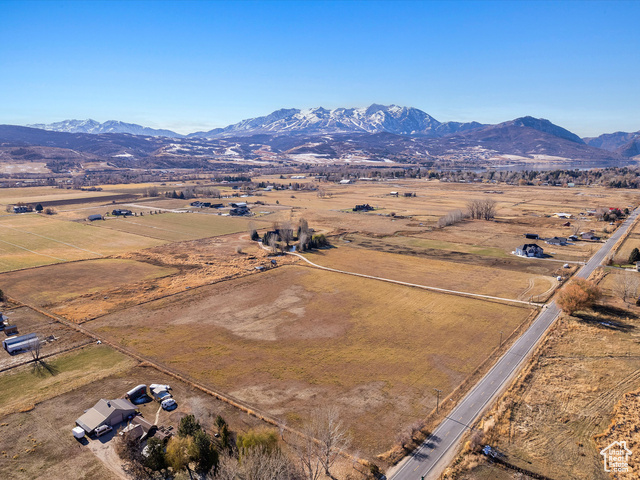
pixel 433 456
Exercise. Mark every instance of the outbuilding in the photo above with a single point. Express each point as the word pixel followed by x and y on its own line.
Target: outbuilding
pixel 93 218
pixel 22 343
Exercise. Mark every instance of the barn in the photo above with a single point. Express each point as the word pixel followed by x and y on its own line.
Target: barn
pixel 20 343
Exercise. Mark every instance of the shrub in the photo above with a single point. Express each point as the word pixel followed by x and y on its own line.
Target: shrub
pixel 578 295
pixel 634 256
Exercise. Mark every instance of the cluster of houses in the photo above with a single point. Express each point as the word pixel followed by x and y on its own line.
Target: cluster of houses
pixel 107 414
pixel 363 208
pixel 535 250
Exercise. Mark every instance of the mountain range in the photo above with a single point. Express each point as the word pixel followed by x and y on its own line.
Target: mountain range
pixel 110 126
pixel 318 135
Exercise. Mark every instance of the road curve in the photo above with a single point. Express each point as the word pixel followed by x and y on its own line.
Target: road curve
pixel 433 456
pixel 416 285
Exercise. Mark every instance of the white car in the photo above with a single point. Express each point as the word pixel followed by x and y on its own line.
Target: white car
pixel 102 429
pixel 169 404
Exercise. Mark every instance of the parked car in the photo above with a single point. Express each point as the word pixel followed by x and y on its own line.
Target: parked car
pixel 169 404
pixel 102 429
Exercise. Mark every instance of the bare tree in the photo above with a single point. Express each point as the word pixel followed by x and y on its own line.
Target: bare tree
pixel 272 240
pixel 228 467
pixel 627 285
pixel 35 349
pixel 488 208
pixel 260 464
pixel 451 218
pixel 286 233
pixel 306 449
pixel 576 227
pixel 331 438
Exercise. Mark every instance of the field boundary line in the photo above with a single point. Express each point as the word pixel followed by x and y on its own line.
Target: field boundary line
pixel 424 287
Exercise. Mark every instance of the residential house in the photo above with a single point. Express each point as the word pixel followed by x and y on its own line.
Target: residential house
pixel 530 250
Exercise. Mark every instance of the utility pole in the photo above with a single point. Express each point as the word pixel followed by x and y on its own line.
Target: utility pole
pixel 500 337
pixel 438 392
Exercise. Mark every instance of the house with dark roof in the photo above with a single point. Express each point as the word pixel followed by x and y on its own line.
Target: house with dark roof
pixel 556 241
pixel 530 250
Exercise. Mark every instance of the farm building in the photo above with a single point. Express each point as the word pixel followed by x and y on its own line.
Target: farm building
pixel 92 218
pixel 344 182
pixel 362 208
pixel 240 211
pixel 106 412
pixel 121 212
pixel 562 215
pixel 589 236
pixel 556 241
pixel 22 209
pixel 532 236
pixel 10 330
pixel 530 250
pixel 22 343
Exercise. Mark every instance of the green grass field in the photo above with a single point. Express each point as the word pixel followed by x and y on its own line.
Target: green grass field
pixel 174 227
pixel 27 386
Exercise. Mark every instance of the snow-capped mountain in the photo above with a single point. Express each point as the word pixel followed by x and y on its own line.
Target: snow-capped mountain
pixel 373 119
pixel 110 126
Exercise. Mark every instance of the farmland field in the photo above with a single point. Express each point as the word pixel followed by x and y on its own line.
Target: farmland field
pixel 175 227
pixel 288 339
pixel 34 286
pixel 437 273
pixel 30 240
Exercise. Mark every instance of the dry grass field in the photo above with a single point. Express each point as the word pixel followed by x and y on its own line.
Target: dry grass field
pixel 30 240
pixel 437 273
pixel 34 286
pixel 570 402
pixel 175 227
pixel 289 339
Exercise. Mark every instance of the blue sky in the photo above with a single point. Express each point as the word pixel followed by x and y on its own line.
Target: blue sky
pixel 198 65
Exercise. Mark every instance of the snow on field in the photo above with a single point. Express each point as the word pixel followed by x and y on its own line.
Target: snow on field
pixel 123 155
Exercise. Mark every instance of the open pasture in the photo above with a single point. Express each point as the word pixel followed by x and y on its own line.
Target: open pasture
pixel 291 338
pixel 435 273
pixel 35 286
pixel 30 240
pixel 174 227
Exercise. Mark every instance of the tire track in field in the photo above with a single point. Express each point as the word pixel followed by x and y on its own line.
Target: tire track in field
pixel 424 287
pixel 31 251
pixel 53 240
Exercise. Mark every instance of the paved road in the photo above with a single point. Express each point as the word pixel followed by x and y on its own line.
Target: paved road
pixel 433 456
